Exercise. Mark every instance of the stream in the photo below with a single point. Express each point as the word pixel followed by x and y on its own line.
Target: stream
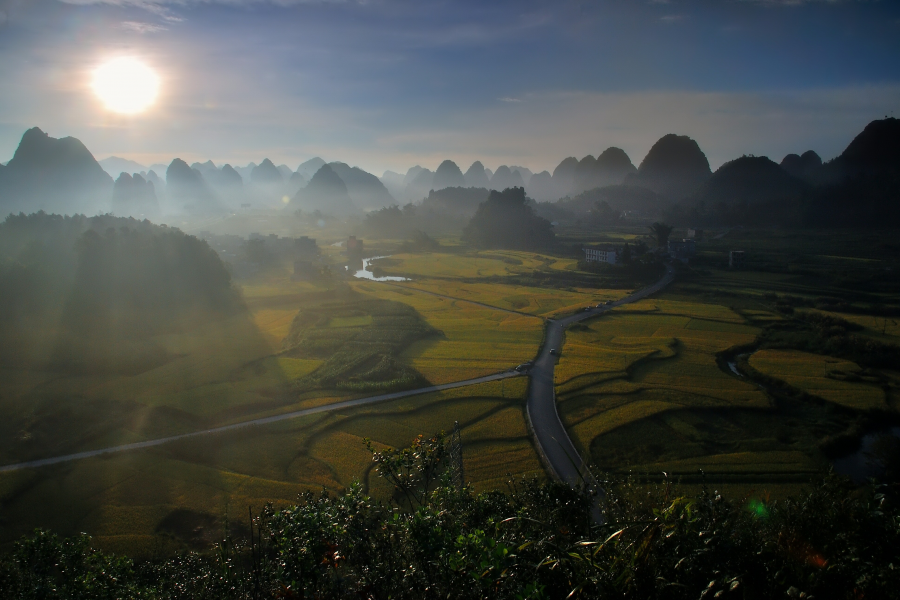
pixel 857 465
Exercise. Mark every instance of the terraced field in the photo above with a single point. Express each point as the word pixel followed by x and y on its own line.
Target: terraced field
pixel 839 381
pixel 476 340
pixel 459 266
pixel 541 302
pixel 639 387
pixel 138 501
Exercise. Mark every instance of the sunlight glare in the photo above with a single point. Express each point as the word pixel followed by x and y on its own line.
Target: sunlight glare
pixel 126 85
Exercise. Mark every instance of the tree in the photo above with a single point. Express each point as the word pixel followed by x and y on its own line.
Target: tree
pixel 505 220
pixel 604 214
pixel 662 232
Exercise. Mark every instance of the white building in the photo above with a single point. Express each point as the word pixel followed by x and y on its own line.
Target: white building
pixel 594 255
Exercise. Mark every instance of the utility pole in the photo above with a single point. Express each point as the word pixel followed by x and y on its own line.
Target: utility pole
pixel 456 458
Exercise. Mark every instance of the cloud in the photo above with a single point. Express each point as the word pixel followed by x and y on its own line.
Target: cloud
pixel 141 27
pixel 156 7
pixel 508 99
pixel 671 18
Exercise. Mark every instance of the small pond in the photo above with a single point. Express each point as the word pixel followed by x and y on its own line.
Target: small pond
pixel 365 273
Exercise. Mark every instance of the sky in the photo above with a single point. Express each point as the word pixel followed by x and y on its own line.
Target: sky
pixel 388 84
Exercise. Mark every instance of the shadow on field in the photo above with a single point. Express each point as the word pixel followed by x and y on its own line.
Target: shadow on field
pixel 139 334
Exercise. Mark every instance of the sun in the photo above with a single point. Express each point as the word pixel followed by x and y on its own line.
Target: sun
pixel 126 85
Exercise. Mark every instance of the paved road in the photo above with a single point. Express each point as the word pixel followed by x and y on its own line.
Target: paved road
pixel 261 421
pixel 553 443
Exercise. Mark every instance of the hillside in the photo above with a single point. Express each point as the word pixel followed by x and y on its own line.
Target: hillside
pixel 188 191
pixel 610 168
pixel 448 175
pixel 642 202
pixel 325 192
pixel 455 201
pixel 365 189
pixel 90 294
pixel 675 167
pixel 54 175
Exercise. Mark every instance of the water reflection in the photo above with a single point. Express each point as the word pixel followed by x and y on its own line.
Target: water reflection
pixel 873 457
pixel 365 273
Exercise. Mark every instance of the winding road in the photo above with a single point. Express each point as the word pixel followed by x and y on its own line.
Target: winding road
pixel 552 442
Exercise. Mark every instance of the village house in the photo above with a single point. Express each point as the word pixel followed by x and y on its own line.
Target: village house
pixel 604 256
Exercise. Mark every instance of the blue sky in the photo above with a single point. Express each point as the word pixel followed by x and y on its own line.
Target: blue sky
pixel 386 84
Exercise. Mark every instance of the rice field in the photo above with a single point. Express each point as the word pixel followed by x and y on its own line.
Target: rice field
pixel 646 360
pixel 540 302
pixel 131 500
pixel 496 263
pixel 476 340
pixel 839 381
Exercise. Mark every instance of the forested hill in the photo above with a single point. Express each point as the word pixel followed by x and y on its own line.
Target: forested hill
pixel 89 293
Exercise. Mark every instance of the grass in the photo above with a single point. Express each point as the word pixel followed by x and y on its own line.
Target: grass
pixel 839 381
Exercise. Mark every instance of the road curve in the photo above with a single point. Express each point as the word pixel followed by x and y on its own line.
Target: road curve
pixel 261 421
pixel 553 444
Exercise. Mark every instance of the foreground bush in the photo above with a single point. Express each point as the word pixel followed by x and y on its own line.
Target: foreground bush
pixel 536 541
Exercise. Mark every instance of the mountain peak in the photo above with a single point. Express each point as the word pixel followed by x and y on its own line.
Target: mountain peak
pixel 448 175
pixel 476 176
pixel 51 174
pixel 674 167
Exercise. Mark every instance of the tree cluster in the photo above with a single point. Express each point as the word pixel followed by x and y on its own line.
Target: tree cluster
pixel 506 220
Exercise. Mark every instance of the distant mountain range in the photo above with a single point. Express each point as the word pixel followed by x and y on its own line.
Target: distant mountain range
pixel 61 175
pixel 116 166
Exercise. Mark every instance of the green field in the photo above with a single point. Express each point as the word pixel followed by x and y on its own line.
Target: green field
pixel 475 340
pixel 833 379
pixel 643 388
pixel 181 492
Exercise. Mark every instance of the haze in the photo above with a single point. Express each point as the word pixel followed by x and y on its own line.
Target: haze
pixel 386 84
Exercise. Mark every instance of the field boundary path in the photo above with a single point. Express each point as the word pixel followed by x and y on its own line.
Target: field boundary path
pixel 551 440
pixel 42 462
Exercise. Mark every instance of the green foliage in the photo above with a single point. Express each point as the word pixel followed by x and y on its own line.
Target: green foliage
pixel 42 566
pixel 661 232
pixel 413 470
pixel 505 220
pixel 537 541
pixel 605 215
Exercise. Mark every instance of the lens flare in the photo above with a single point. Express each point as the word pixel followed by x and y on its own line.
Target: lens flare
pixel 126 85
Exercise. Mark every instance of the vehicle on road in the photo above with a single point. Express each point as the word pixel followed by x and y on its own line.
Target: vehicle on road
pixel 554 352
pixel 525 366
